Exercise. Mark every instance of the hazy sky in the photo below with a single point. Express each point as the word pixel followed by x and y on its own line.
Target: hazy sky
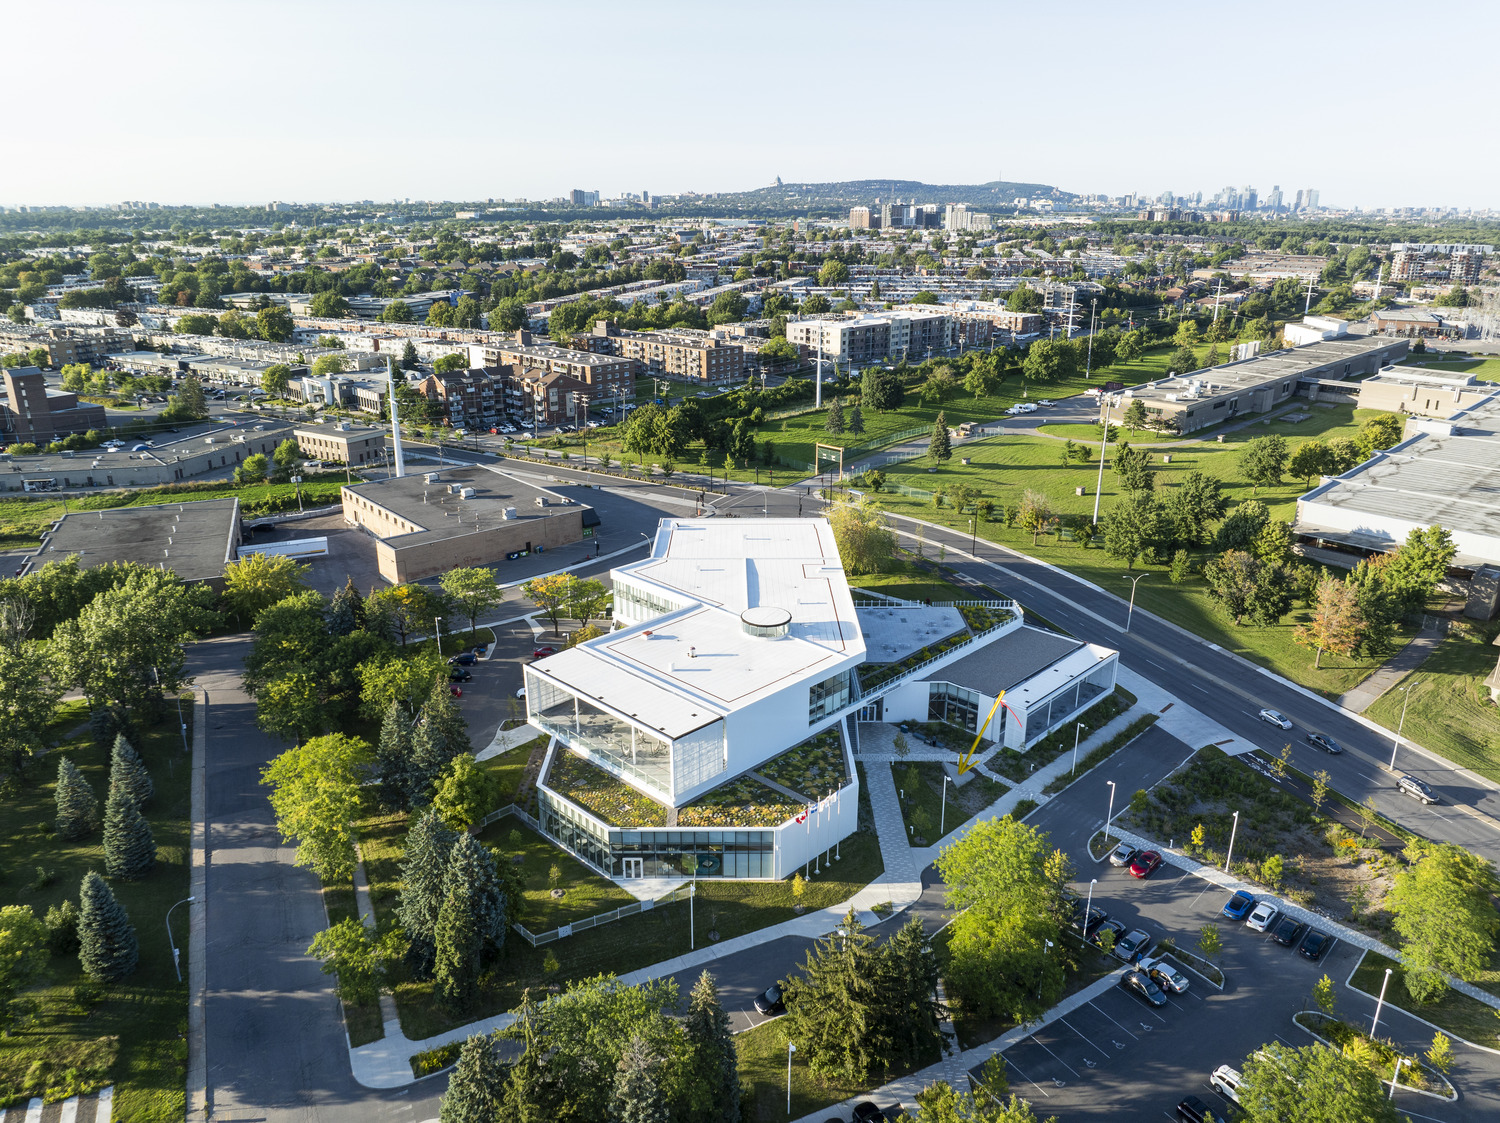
pixel 445 99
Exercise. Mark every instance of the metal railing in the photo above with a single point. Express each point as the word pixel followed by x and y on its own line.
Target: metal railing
pixel 565 930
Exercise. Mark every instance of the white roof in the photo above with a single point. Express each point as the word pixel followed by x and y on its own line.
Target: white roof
pixel 680 671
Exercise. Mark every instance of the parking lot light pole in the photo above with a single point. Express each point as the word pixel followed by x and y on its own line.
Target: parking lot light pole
pixel 1111 814
pixel 1396 1075
pixel 1088 908
pixel 1077 729
pixel 1232 831
pixel 1379 1003
pixel 943 815
pixel 790 1049
pixel 1396 741
pixel 437 626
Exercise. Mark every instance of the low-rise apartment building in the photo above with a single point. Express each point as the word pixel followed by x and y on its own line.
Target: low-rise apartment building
pixel 691 356
pixel 603 375
pixel 470 398
pixel 915 332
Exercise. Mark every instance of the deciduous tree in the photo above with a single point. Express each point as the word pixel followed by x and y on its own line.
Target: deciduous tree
pixel 863 534
pixel 23 959
pixel 1264 460
pixel 1314 1084
pixel 1444 911
pixel 471 592
pixel 1231 581
pixel 257 581
pixel 1334 624
pixel 315 793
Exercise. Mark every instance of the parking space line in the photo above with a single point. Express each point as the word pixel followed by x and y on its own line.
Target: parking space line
pixel 1128 1033
pixel 1014 1068
pixel 1080 1033
pixel 1056 1058
pixel 1418 1115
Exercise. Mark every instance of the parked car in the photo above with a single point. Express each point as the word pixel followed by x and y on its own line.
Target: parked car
pixel 1113 927
pixel 1288 932
pixel 1131 946
pixel 1123 855
pixel 1012 411
pixel 1262 916
pixel 1417 789
pixel 1140 985
pixel 769 1001
pixel 458 674
pixel 521 692
pixel 1045 402
pixel 1276 718
pixel 1238 906
pixel 866 1112
pixel 1096 917
pixel 543 652
pixel 1314 944
pixel 1327 744
pixel 456 691
pixel 462 659
pixel 1145 863
pixel 1164 975
pixel 1190 1109
pixel 1226 1081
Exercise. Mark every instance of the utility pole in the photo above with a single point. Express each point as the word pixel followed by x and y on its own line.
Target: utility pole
pixel 1088 366
pixel 1103 447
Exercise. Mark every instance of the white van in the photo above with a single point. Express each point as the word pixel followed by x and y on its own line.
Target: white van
pixel 1226 1081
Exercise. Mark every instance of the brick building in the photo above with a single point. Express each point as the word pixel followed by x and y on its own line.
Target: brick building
pixel 693 356
pixel 32 413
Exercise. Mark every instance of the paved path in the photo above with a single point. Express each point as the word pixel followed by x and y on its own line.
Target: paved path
pixel 74 1109
pixel 1397 667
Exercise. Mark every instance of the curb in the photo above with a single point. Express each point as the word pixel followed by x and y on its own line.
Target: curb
pixel 197 1074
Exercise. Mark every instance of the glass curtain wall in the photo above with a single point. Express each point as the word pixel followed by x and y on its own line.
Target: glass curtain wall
pixel 1042 718
pixel 953 704
pixel 617 743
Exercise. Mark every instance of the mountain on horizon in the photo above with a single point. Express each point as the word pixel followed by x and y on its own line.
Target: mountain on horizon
pixel 863 192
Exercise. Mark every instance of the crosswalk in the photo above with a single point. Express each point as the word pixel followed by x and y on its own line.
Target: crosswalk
pixel 76 1109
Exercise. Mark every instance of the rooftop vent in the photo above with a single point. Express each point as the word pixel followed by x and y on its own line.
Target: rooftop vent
pixel 766 621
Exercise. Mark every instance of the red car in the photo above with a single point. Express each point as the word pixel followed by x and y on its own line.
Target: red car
pixel 543 652
pixel 455 690
pixel 1145 863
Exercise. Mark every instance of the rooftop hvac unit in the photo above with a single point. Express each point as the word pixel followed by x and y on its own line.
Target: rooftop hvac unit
pixel 511 513
pixel 68 452
pixel 430 477
pixel 455 489
pixel 541 500
pixel 466 493
pixel 344 426
pixel 239 438
pixel 1171 397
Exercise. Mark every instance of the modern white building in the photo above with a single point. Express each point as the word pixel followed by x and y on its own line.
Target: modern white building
pixel 712 732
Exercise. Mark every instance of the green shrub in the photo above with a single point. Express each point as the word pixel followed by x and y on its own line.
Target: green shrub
pixel 435 1060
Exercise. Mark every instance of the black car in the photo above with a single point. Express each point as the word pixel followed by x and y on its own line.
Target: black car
pixel 769 1002
pixel 866 1112
pixel 1096 917
pixel 465 659
pixel 1288 932
pixel 1327 744
pixel 1190 1109
pixel 1139 984
pixel 458 674
pixel 1113 927
pixel 1315 945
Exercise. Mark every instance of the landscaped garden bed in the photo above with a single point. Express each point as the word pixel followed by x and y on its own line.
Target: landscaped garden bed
pixel 814 768
pixel 981 618
pixel 601 793
pixel 745 802
pixel 1017 766
pixel 1380 1055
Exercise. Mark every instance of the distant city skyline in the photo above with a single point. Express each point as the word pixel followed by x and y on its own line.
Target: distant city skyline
pixel 327 103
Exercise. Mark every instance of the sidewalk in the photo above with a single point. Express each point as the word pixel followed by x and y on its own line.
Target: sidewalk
pixel 1397 667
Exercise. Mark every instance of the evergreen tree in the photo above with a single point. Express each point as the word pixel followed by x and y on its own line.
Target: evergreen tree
pixel 472 870
pixel 447 721
pixel 835 420
pixel 908 984
pixel 429 760
pixel 477 1086
pixel 106 939
pixel 458 945
pixel 856 421
pixel 714 1063
pixel 346 613
pixel 77 806
pixel 833 1012
pixel 533 1091
pixel 393 761
pixel 127 768
pixel 940 449
pixel 638 1096
pixel 409 356
pixel 129 850
pixel 424 867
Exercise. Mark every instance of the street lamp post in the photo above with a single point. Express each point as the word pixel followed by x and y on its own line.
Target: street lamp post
pixel 790 1049
pixel 1380 1003
pixel 1133 582
pixel 1396 742
pixel 1111 815
pixel 1088 908
pixel 1046 946
pixel 1396 1075
pixel 1103 449
pixel 1088 366
pixel 943 815
pixel 176 955
pixel 1232 831
pixel 437 626
pixel 1077 729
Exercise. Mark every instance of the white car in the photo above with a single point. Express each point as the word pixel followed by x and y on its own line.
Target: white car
pixel 1013 410
pixel 1226 1081
pixel 1263 916
pixel 1046 402
pixel 1028 407
pixel 1164 975
pixel 1276 718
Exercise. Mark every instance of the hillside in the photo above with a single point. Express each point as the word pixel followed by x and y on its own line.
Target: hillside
pixel 995 195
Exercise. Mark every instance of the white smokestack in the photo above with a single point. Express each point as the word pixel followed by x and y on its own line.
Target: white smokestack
pixel 390 370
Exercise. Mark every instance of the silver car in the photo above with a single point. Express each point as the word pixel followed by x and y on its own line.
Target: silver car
pixel 1131 945
pixel 1122 855
pixel 1276 718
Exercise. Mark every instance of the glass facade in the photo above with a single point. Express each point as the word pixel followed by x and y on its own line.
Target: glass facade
pixel 1043 717
pixel 638 605
pixel 829 696
pixel 661 853
pixel 953 704
pixel 613 741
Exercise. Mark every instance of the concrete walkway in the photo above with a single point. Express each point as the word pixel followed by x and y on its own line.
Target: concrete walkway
pixel 1398 666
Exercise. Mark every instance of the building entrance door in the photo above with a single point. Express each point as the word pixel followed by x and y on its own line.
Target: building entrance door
pixel 634 867
pixel 872 711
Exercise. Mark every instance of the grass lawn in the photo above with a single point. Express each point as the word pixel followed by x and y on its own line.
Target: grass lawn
pixel 910 581
pixel 1005 467
pixel 1457 1013
pixel 22 521
pixel 921 782
pixel 129 1034
pixel 729 907
pixel 1450 711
